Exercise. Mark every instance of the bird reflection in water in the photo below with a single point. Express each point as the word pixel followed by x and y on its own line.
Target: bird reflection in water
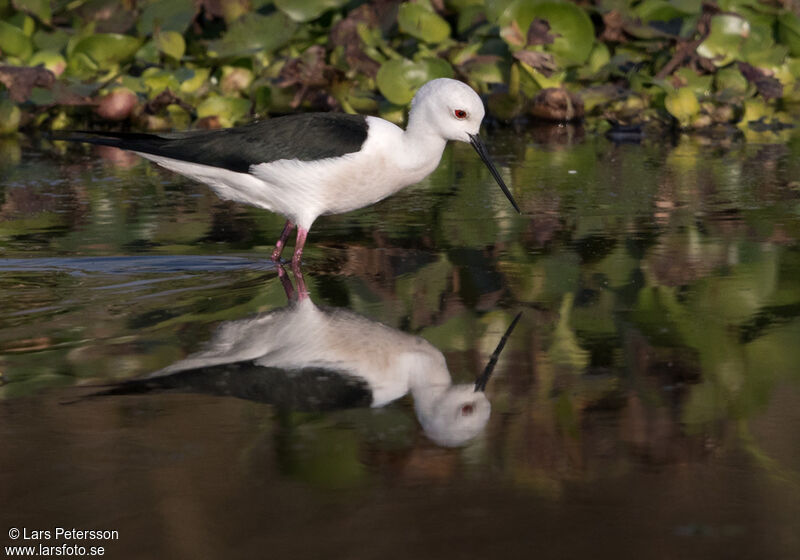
pixel 304 357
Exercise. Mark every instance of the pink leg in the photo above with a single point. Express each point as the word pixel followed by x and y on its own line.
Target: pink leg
pixel 302 291
pixel 287 229
pixel 285 282
pixel 298 248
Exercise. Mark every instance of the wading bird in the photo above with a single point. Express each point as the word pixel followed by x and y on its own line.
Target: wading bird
pixel 303 357
pixel 307 165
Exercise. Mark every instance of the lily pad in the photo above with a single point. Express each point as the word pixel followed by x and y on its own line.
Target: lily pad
pixel 55 41
pixel 254 32
pixel 663 10
pixel 789 32
pixel 52 60
pixel 700 85
pixel 731 81
pixel 10 117
pixel 179 118
pixel 422 22
pixel 149 53
pixel 14 42
pixel 759 48
pixel 228 110
pixel 175 15
pixel 682 104
pixel 39 8
pixel 235 79
pixel 197 81
pixel 306 10
pixel 598 58
pixel 727 35
pixel 571 26
pixel 488 71
pixel 81 65
pixel 157 80
pixel 171 43
pixel 399 79
pixel 107 49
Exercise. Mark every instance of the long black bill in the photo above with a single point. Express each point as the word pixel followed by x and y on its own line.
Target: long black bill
pixel 483 378
pixel 480 147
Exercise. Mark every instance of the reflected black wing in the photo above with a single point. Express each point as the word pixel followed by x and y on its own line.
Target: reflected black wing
pixel 306 389
pixel 306 137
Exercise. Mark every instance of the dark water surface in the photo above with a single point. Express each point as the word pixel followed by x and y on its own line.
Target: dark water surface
pixel 647 404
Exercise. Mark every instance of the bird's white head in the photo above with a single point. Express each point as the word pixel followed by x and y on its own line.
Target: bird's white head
pixel 456 416
pixel 452 110
pixel 449 107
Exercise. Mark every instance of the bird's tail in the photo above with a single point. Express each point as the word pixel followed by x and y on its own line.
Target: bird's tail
pixel 124 140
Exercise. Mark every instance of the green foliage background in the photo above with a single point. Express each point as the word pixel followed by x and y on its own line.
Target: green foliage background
pixel 171 64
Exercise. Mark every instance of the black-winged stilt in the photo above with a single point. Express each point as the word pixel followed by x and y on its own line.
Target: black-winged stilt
pixel 304 357
pixel 304 166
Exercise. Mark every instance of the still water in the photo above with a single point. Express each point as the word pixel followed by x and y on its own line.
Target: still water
pixel 162 379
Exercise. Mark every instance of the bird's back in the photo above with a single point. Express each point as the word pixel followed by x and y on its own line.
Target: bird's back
pixel 304 137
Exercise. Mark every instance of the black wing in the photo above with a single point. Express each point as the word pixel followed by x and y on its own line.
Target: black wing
pixel 306 137
pixel 306 389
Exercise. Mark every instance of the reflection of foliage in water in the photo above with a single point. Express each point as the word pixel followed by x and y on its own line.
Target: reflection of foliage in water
pixel 660 285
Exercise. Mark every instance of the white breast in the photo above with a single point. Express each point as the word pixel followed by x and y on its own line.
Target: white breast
pixel 304 190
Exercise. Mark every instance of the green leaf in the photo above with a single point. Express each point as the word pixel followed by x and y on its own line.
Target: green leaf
pixel 194 83
pixel 570 24
pixel 24 22
pixel 499 10
pixel 306 10
pixel 179 118
pixel 14 42
pixel 81 65
pixel 725 39
pixel 254 32
pixel 662 10
pixel 759 48
pixel 54 41
pixel 229 110
pixel 565 349
pixel 422 22
pixel 149 53
pixel 399 79
pixel 157 80
pixel 107 49
pixel 789 32
pixel 52 60
pixel 730 80
pixel 682 104
pixel 136 85
pixel 39 8
pixel 10 117
pixel 700 85
pixel 171 43
pixel 488 72
pixel 175 15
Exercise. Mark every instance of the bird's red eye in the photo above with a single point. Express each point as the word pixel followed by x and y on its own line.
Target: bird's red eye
pixel 460 113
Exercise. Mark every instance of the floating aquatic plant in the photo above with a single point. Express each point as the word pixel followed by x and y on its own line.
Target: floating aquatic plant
pixel 688 63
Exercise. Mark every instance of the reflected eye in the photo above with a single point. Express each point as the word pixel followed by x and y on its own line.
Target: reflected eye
pixel 467 409
pixel 460 114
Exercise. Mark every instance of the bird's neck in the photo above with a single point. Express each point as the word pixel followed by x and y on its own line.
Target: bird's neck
pixel 427 397
pixel 422 144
